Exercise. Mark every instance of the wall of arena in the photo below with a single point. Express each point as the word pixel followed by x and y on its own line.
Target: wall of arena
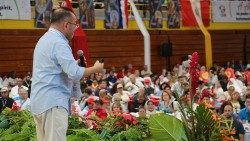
pixel 120 47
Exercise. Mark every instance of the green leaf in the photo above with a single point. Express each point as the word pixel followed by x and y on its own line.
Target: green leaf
pixel 206 126
pixel 74 138
pixel 166 128
pixel 4 123
pixel 84 134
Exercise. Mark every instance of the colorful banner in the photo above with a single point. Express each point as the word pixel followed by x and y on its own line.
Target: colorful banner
pixel 231 11
pixel 43 10
pixel 113 15
pixel 155 11
pixel 15 9
pixel 87 13
pixel 173 14
pixel 188 18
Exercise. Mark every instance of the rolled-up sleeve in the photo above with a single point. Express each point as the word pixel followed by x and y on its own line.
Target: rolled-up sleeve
pixel 67 62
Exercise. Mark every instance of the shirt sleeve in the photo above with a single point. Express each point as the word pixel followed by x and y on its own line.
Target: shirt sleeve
pixel 240 129
pixel 67 62
pixel 241 115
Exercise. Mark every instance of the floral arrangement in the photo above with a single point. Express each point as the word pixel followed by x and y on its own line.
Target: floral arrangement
pixel 194 73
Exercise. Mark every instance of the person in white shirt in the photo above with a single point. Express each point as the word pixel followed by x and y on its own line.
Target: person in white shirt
pixel 230 92
pixel 15 90
pixel 213 78
pixel 23 101
pixel 220 94
pixel 138 79
pixel 5 82
pixel 122 97
pixel 178 87
pixel 146 72
pixel 132 86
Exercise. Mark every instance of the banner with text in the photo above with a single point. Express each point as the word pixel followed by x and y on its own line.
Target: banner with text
pixel 231 11
pixel 15 9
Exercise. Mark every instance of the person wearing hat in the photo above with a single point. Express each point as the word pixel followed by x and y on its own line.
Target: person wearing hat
pixel 122 97
pixel 148 88
pixel 5 101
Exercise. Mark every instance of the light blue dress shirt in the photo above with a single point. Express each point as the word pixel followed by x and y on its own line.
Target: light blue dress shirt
pixel 54 72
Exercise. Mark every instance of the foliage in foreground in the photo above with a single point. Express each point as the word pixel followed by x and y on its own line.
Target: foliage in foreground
pixel 20 127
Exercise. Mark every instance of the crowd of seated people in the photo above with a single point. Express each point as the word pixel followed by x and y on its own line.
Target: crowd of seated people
pixel 143 93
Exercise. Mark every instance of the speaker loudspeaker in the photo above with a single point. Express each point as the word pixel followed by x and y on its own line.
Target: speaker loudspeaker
pixel 166 49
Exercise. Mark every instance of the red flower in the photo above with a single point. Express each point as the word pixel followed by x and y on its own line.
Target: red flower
pixel 15 106
pixel 194 72
pixel 129 118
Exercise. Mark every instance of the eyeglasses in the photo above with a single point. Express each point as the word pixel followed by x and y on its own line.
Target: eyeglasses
pixel 75 24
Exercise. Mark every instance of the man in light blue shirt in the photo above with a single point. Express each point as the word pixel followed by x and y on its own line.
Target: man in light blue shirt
pixel 54 73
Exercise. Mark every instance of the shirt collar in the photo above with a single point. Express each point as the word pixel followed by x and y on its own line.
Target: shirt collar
pixel 53 30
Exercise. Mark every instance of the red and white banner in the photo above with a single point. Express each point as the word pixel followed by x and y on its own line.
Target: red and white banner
pixel 124 13
pixel 231 11
pixel 188 16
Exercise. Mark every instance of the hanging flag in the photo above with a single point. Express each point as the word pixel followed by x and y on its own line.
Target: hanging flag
pixel 173 14
pixel 87 13
pixel 43 10
pixel 79 40
pixel 155 10
pixel 124 13
pixel 116 14
pixel 188 17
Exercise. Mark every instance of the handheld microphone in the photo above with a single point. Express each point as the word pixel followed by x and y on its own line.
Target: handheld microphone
pixel 82 58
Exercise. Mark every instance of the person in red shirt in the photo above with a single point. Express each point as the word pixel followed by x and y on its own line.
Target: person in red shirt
pixel 248 76
pixel 95 115
pixel 121 73
pixel 97 110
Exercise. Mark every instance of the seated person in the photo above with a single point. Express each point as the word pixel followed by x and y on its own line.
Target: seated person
pixel 205 99
pixel 230 127
pixel 141 112
pixel 5 101
pixel 121 96
pixel 168 103
pixel 138 101
pixel 236 102
pixel 87 93
pixel 116 109
pixel 244 114
pixel 97 114
pixel 150 108
pixel 89 105
pixel 23 100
